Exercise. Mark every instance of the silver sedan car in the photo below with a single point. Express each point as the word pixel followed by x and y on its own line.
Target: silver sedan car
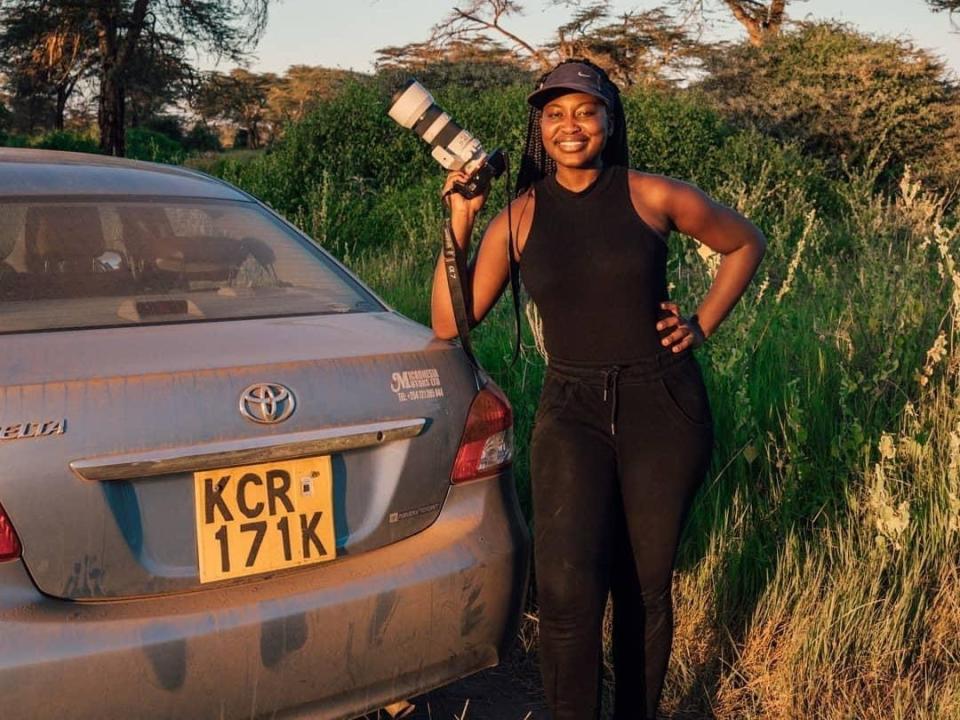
pixel 233 482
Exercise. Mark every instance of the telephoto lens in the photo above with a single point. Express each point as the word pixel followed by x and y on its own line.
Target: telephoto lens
pixel 413 107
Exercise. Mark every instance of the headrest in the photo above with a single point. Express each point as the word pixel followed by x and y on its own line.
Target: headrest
pixel 62 233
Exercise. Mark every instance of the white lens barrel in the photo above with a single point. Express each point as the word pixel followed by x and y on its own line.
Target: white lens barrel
pixel 410 105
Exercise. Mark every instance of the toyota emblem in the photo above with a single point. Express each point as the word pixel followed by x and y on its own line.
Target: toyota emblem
pixel 267 403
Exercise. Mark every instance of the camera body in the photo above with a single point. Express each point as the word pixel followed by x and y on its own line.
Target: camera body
pixel 413 107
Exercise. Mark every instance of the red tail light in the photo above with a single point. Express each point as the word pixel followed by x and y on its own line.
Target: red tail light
pixel 487 442
pixel 9 543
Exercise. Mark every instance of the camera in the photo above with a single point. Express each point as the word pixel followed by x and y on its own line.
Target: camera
pixel 413 107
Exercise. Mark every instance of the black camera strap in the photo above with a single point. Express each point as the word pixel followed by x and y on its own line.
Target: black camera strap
pixel 455 264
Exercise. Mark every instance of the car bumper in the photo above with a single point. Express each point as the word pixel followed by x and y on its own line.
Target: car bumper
pixel 331 642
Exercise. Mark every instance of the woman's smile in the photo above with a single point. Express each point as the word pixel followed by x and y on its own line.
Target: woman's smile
pixel 574 127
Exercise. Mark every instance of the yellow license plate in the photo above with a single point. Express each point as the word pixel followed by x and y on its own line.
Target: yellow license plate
pixel 259 518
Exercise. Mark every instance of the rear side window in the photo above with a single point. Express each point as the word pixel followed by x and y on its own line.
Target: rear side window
pixel 75 264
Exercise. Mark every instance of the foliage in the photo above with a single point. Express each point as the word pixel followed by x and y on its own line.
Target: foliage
pixel 62 140
pixel 297 92
pixel 44 53
pixel 848 98
pixel 201 138
pixel 239 97
pixel 143 144
pixel 762 20
pixel 648 47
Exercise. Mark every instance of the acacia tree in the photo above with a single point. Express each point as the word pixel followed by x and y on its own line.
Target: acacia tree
pixel 633 47
pixel 226 28
pixel 241 98
pixel 45 53
pixel 762 20
pixel 646 47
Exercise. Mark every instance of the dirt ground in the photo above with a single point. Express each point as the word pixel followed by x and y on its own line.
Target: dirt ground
pixel 509 691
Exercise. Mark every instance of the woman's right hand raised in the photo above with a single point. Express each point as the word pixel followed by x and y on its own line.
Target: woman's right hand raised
pixel 460 207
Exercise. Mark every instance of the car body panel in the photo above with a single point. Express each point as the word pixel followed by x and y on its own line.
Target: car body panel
pixel 47 173
pixel 122 390
pixel 104 616
pixel 328 642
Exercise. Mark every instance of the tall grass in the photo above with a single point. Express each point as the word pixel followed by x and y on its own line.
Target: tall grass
pixel 819 575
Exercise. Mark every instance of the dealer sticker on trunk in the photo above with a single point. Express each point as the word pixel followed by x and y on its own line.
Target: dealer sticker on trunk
pixel 423 384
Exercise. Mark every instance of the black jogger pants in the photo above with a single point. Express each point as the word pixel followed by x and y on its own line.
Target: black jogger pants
pixel 617 456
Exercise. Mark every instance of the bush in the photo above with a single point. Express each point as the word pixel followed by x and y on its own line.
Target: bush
pixel 202 138
pixel 65 140
pixel 848 98
pixel 153 146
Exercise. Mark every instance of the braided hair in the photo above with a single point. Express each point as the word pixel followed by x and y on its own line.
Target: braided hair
pixel 536 164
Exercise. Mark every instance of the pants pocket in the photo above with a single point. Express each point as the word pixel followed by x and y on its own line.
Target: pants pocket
pixel 685 394
pixel 554 396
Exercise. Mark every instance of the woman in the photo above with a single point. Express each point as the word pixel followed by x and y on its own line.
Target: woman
pixel 623 433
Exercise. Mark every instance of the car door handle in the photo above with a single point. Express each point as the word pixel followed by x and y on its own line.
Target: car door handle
pixel 246 451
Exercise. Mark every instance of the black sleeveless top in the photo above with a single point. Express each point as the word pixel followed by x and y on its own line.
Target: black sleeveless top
pixel 596 271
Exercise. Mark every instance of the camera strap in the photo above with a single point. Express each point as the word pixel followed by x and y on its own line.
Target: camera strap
pixel 455 265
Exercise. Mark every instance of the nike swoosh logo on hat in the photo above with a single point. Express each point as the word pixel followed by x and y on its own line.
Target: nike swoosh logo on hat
pixel 582 75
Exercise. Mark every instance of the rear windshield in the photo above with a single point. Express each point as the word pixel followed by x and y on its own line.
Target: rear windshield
pixel 96 263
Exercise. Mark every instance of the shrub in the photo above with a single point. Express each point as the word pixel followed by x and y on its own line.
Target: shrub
pixel 153 146
pixel 846 97
pixel 65 140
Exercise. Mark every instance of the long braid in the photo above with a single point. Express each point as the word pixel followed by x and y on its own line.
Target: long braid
pixel 536 164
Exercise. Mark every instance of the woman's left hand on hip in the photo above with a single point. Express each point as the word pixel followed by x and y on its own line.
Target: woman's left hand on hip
pixel 686 331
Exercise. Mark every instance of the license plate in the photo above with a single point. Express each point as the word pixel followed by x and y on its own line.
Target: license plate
pixel 260 518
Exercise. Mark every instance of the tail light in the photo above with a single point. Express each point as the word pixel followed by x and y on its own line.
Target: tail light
pixel 9 543
pixel 487 442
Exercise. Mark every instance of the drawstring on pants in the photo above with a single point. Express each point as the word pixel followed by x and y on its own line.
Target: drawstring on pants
pixel 610 381
pixel 641 370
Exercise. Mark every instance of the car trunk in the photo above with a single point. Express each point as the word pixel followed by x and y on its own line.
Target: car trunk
pixel 110 434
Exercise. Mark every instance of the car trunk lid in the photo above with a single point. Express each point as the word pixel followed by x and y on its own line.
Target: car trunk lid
pixel 104 431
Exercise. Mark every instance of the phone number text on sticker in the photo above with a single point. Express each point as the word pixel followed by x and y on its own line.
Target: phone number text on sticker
pixel 423 384
pixel 260 518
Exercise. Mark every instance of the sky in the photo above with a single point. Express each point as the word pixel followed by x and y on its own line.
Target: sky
pixel 347 33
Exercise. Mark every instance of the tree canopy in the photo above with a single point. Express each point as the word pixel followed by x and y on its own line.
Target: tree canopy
pixel 132 49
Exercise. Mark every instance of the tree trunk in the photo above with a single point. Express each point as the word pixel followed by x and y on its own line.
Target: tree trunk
pixel 110 113
pixel 61 107
pixel 761 23
pixel 115 57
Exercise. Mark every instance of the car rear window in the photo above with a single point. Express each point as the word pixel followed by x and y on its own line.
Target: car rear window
pixel 67 264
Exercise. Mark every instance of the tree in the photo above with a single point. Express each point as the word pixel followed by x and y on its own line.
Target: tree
pixel 45 52
pixel 226 28
pixel 635 47
pixel 845 96
pixel 299 90
pixel 949 6
pixel 135 48
pixel 762 20
pixel 478 64
pixel 239 97
pixel 647 47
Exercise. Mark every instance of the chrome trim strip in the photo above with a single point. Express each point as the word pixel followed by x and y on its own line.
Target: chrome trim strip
pixel 248 451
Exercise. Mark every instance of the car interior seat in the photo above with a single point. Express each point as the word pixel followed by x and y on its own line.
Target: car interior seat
pixel 66 253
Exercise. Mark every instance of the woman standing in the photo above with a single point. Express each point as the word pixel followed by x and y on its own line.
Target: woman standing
pixel 623 433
